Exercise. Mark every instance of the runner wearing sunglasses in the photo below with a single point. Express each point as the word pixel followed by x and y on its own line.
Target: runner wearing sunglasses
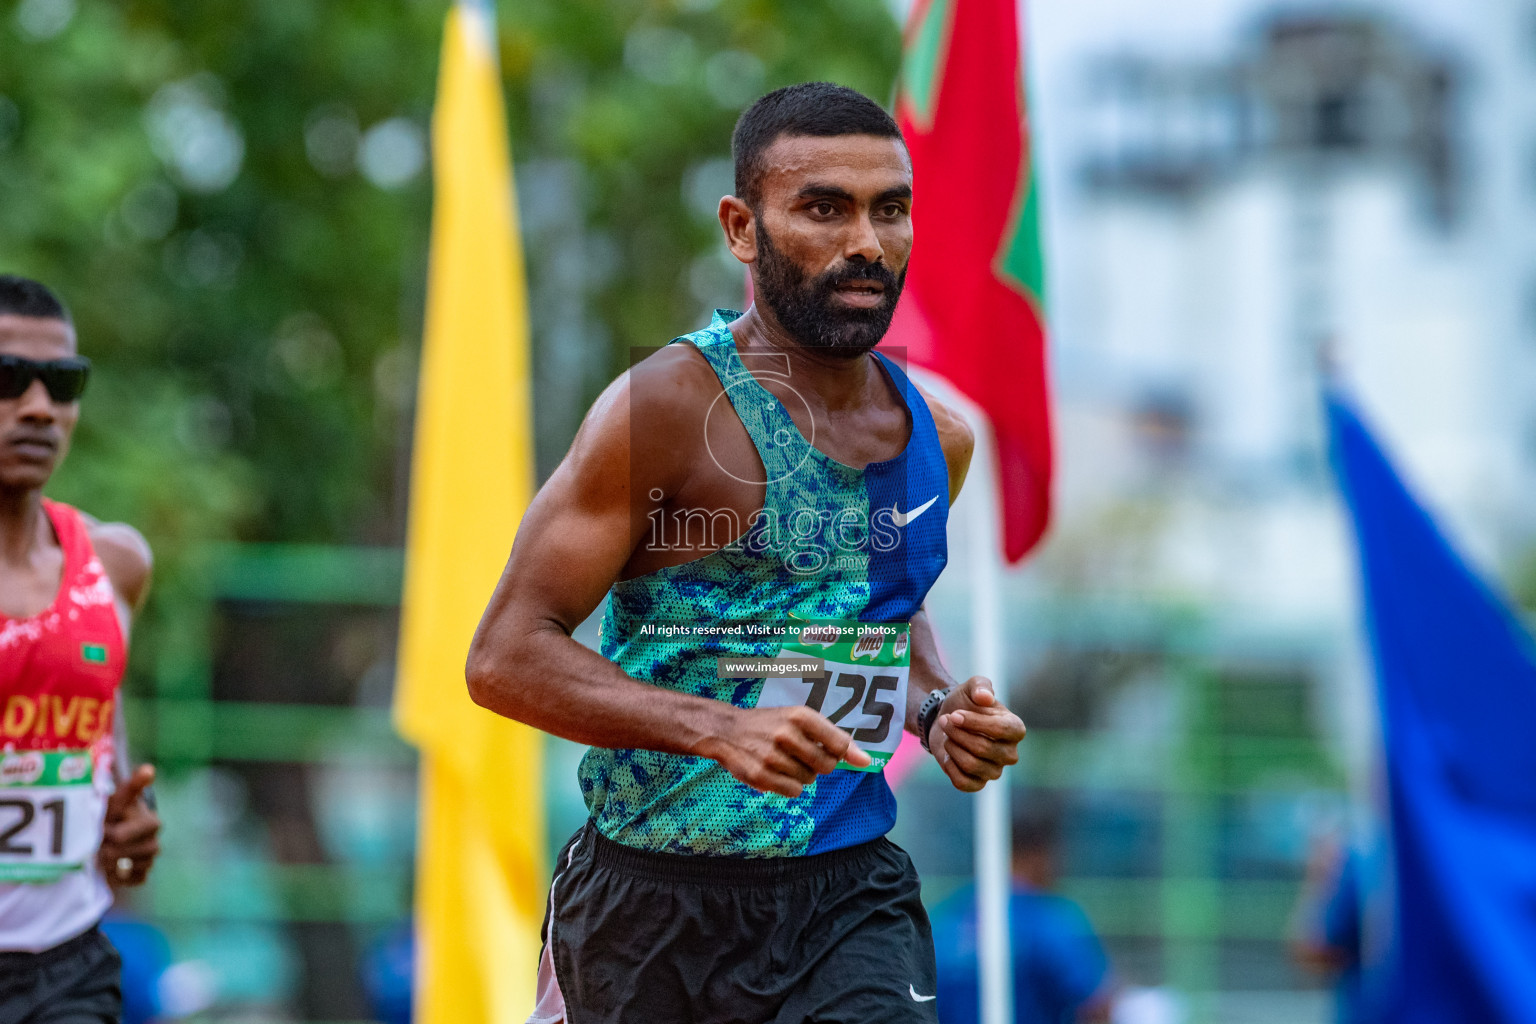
pixel 74 822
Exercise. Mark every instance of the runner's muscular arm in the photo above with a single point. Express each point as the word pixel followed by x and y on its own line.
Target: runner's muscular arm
pixel 131 829
pixel 575 540
pixel 126 557
pixel 955 438
pixel 928 671
pixel 974 737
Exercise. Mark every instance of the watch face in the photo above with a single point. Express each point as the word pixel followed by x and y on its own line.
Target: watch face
pixel 927 713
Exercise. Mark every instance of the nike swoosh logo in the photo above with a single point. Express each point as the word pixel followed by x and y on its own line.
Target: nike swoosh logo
pixel 903 518
pixel 915 997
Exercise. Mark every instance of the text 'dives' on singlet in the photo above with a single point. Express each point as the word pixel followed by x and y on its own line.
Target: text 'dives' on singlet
pixel 833 547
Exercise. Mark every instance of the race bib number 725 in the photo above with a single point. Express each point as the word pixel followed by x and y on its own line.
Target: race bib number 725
pixel 864 688
pixel 50 814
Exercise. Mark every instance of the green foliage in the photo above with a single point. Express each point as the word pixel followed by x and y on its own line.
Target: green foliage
pixel 224 193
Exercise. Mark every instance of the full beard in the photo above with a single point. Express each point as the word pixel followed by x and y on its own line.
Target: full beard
pixel 807 308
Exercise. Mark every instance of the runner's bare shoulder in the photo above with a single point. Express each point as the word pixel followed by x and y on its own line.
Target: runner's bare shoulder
pixel 671 388
pixel 650 418
pixel 126 556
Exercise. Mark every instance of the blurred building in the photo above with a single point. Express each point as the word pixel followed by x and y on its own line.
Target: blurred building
pixel 1185 646
pixel 1323 193
pixel 1318 191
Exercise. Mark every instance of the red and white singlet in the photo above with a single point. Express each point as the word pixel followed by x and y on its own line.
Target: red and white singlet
pixel 59 675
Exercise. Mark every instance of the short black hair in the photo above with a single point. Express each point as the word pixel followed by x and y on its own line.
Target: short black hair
pixel 22 296
pixel 810 108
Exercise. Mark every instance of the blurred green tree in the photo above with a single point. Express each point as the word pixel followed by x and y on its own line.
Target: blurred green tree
pixel 234 198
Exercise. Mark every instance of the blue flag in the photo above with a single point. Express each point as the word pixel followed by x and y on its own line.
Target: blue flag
pixel 1457 686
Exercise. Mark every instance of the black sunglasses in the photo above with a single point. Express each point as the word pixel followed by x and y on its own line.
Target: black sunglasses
pixel 64 378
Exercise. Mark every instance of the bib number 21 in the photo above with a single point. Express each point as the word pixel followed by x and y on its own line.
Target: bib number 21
pixel 26 811
pixel 50 814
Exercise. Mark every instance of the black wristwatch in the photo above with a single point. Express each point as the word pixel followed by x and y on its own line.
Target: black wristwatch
pixel 928 712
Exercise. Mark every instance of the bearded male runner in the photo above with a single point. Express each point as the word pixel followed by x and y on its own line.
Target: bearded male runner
pixel 68 588
pixel 767 489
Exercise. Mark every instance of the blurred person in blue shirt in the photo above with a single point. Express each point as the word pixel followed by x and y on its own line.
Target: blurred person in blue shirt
pixel 146 955
pixel 1060 972
pixel 386 971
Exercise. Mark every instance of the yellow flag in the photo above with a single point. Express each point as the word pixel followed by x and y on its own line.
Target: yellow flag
pixel 480 871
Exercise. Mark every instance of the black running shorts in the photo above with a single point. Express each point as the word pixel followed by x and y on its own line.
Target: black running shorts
pixel 75 982
pixel 650 938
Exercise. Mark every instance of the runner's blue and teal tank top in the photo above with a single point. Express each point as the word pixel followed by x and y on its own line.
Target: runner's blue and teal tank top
pixel 831 543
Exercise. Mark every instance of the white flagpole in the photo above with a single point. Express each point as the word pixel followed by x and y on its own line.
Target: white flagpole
pixel 993 836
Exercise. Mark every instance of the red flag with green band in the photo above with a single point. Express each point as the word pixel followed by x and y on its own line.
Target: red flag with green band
pixel 972 310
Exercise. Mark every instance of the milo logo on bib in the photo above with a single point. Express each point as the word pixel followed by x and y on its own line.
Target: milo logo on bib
pixel 863 687
pixel 21 769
